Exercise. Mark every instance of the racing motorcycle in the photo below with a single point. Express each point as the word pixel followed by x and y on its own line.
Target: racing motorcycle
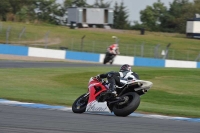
pixel 109 58
pixel 97 99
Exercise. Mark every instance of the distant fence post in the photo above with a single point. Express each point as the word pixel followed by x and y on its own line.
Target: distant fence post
pixel 1 27
pixel 82 42
pixel 142 50
pixel 198 57
pixel 7 34
pixel 46 38
pixel 21 33
pixel 166 51
pixel 156 51
pixel 116 39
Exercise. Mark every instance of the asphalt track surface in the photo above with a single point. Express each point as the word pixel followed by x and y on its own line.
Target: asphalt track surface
pixel 16 119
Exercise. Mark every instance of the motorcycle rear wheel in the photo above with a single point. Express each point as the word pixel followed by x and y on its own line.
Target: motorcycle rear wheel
pixel 106 59
pixel 131 103
pixel 80 104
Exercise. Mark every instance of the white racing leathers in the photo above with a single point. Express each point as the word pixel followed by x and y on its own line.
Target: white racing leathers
pixel 125 76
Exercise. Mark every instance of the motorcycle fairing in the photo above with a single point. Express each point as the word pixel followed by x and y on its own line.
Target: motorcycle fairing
pixel 95 89
pixel 143 85
pixel 95 106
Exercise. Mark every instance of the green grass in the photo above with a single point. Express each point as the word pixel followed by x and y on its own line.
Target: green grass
pixel 97 41
pixel 174 92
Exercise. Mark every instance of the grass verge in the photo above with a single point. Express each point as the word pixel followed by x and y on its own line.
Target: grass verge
pixel 97 40
pixel 175 91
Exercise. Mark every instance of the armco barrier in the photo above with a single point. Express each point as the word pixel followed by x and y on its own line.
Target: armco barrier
pixel 198 65
pixel 182 64
pixel 138 61
pixel 13 50
pixel 48 53
pixel 119 59
pixel 82 56
pixel 93 57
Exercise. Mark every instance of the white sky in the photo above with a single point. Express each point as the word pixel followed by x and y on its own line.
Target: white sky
pixel 133 6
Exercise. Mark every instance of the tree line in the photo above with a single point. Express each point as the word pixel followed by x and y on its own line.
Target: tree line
pixel 173 19
pixel 155 17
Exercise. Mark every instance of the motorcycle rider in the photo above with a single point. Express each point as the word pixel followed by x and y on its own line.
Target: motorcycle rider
pixel 113 50
pixel 118 78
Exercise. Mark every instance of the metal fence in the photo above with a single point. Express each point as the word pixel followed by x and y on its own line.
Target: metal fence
pixel 19 35
pixel 143 49
pixel 44 39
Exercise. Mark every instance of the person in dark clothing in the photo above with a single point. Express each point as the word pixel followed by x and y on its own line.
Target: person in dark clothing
pixel 115 78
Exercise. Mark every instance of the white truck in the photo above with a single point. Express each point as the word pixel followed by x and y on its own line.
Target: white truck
pixel 193 28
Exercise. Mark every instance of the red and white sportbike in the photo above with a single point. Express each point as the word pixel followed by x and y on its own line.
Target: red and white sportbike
pixel 97 99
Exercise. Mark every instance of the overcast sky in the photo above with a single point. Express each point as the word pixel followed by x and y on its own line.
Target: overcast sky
pixel 134 6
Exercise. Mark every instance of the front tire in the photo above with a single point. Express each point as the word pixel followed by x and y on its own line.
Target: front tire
pixel 125 108
pixel 80 104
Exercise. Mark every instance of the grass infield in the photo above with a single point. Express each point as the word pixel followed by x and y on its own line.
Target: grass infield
pixel 175 91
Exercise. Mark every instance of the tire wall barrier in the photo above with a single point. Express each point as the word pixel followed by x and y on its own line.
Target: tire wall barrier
pixel 93 57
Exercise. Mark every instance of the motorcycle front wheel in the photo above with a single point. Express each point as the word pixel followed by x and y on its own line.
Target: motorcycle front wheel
pixel 129 105
pixel 80 104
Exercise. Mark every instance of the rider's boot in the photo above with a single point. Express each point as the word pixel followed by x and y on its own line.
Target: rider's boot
pixel 111 80
pixel 112 89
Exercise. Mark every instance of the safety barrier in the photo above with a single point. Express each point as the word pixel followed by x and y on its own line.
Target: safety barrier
pixel 13 50
pixel 93 57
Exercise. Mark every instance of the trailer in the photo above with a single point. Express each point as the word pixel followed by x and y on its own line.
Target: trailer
pixel 193 28
pixel 90 17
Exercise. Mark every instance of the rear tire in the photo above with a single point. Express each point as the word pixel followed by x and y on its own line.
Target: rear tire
pixel 80 104
pixel 106 59
pixel 131 103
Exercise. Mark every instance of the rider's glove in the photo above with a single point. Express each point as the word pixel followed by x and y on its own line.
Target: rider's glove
pixel 98 78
